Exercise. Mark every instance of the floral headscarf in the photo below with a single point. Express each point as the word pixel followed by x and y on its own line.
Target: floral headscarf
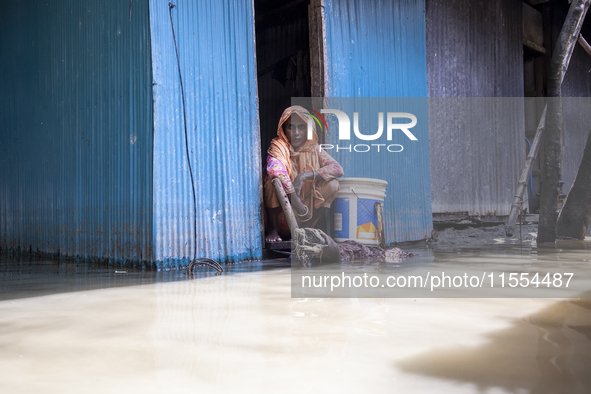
pixel 281 149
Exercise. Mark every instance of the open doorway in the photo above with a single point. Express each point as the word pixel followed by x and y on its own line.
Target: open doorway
pixel 283 62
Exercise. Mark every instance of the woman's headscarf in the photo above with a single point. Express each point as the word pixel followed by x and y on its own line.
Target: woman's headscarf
pixel 307 155
pixel 281 149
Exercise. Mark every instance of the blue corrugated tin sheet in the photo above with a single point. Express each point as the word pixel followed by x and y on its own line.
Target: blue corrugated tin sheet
pixel 376 48
pixel 76 115
pixel 217 57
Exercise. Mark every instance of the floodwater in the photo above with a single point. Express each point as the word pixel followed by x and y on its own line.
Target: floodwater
pixel 67 328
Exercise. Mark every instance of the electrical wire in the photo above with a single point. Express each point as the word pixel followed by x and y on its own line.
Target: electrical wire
pixel 202 260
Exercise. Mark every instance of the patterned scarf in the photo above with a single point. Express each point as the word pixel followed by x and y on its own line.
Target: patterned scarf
pixel 306 156
pixel 281 149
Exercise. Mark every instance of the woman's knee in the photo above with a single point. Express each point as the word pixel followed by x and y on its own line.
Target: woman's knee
pixel 333 186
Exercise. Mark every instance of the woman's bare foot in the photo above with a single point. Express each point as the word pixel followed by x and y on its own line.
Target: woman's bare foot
pixel 273 237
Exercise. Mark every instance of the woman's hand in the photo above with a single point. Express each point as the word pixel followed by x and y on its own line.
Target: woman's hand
pixel 297 204
pixel 298 182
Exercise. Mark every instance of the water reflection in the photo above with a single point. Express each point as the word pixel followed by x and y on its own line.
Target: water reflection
pixel 163 332
pixel 545 352
pixel 24 276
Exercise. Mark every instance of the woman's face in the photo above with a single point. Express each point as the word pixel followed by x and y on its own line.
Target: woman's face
pixel 295 129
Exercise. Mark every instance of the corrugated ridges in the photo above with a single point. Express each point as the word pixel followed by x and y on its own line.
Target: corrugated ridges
pixel 377 49
pixel 216 48
pixel 475 50
pixel 75 108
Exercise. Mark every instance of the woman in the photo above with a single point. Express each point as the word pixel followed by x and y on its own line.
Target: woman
pixel 307 174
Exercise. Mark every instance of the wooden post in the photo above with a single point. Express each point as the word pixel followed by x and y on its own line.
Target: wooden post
pixel 523 178
pixel 563 55
pixel 574 218
pixel 585 45
pixel 379 208
pixel 317 40
pixel 553 147
pixel 286 206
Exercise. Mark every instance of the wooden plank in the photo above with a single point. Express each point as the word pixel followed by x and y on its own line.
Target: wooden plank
pixel 283 245
pixel 584 44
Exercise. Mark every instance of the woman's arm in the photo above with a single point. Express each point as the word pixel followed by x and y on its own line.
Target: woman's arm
pixel 276 169
pixel 329 167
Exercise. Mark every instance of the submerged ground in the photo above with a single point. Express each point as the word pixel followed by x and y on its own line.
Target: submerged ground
pixel 87 329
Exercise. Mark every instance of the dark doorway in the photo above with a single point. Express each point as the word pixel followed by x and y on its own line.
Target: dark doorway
pixel 283 60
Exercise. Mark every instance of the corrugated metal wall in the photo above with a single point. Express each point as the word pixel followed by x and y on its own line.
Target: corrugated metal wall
pixel 377 49
pixel 216 48
pixel 76 115
pixel 474 49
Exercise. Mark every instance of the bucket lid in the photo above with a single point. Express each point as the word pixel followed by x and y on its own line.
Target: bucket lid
pixel 363 182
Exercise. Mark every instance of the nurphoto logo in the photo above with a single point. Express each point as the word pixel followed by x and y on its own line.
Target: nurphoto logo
pixel 344 125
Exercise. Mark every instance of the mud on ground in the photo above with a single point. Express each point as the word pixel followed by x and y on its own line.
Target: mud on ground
pixel 483 235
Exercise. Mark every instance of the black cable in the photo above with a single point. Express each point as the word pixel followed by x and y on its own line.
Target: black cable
pixel 205 261
pixel 202 260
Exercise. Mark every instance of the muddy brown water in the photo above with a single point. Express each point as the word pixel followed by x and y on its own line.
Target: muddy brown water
pixel 67 328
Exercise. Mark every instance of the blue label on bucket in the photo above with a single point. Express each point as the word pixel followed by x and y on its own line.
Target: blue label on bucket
pixel 367 222
pixel 341 217
pixel 366 211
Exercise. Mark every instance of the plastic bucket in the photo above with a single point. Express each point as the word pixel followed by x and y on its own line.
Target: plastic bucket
pixel 355 216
